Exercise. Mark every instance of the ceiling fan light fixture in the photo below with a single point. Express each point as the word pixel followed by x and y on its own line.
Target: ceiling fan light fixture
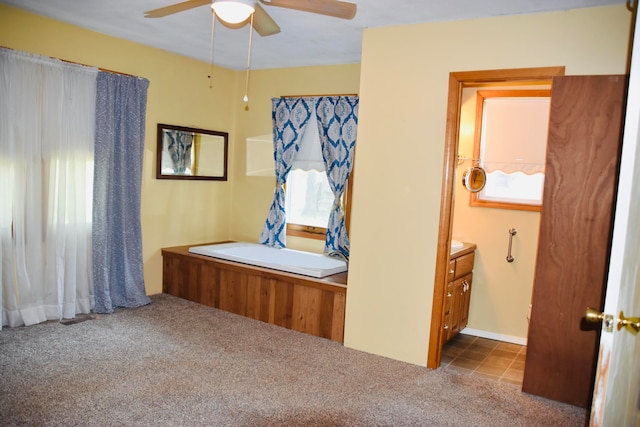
pixel 233 11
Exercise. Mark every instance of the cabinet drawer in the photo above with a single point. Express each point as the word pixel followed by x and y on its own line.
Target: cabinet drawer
pixel 451 273
pixel 464 265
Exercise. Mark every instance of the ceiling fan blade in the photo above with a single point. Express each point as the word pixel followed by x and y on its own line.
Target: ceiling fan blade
pixel 175 8
pixel 335 8
pixel 263 23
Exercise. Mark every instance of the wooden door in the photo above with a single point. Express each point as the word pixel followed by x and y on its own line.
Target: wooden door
pixel 575 234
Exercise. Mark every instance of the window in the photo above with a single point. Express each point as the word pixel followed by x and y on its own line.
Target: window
pixel 510 143
pixel 63 177
pixel 308 196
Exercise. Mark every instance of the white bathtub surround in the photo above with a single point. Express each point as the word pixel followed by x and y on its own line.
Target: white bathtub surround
pixel 289 260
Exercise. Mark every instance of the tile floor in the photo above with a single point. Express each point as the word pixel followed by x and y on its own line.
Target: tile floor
pixel 491 359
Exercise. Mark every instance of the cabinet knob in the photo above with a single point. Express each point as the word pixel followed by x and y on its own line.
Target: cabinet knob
pixel 448 294
pixel 451 271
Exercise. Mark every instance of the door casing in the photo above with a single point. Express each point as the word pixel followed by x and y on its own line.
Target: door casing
pixel 457 82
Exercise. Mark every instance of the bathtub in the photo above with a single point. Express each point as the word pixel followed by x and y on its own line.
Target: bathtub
pixel 289 260
pixel 312 305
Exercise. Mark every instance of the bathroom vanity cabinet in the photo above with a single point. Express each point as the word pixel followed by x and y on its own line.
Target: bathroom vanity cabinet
pixel 458 291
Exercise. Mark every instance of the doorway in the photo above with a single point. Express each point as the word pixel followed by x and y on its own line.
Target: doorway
pixel 458 81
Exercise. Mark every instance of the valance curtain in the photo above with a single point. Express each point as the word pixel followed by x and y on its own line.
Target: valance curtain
pixel 47 119
pixel 337 120
pixel 117 233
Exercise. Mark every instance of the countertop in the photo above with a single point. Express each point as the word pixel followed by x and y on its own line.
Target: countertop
pixel 466 248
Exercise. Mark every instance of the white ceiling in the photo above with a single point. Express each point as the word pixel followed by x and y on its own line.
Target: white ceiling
pixel 306 39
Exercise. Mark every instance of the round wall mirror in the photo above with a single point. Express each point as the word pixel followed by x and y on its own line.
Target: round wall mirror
pixel 474 179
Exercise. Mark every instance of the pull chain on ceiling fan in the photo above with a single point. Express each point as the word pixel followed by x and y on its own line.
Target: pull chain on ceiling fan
pixel 262 22
pixel 236 13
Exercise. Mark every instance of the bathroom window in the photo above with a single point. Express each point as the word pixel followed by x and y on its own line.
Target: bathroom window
pixel 510 144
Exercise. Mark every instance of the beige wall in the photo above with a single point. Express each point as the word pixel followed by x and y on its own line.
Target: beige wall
pixel 403 100
pixel 173 212
pixel 501 291
pixel 186 212
pixel 403 94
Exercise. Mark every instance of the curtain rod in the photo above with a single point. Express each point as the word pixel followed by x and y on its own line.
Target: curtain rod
pixel 307 96
pixel 76 63
pixel 106 70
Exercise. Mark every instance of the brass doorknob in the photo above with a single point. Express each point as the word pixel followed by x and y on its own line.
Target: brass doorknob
pixel 594 316
pixel 631 324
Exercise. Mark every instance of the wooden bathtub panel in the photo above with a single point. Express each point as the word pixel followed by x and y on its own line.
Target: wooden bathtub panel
pixel 233 292
pixel 305 316
pixel 209 280
pixel 325 314
pixel 190 288
pixel 283 304
pixel 258 298
pixel 170 267
pixel 309 305
pixel 337 318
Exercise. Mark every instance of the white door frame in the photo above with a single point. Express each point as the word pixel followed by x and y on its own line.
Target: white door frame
pixel 616 396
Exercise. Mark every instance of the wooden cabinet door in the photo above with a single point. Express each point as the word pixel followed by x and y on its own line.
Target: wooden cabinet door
pixel 448 306
pixel 458 299
pixel 454 314
pixel 575 235
pixel 465 300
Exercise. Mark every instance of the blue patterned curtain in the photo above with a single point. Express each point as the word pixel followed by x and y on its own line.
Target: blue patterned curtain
pixel 338 124
pixel 117 236
pixel 290 117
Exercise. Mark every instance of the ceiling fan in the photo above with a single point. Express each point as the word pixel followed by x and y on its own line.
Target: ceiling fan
pixel 262 22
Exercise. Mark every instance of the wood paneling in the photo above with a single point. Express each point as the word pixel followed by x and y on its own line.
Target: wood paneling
pixel 304 304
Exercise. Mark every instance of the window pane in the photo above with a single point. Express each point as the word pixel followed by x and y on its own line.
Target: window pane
pixel 514 134
pixel 510 144
pixel 308 198
pixel 513 188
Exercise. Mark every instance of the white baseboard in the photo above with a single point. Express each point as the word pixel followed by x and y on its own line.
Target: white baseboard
pixel 494 336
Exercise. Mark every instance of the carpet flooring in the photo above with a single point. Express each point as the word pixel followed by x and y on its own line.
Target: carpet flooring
pixel 178 363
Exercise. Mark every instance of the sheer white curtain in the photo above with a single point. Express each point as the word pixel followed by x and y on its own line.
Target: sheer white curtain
pixel 47 122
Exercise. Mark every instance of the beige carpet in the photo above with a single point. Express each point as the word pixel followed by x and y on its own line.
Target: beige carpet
pixel 177 363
